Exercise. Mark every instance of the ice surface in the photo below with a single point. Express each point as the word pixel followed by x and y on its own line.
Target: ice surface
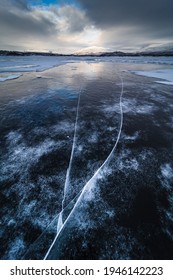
pixel 131 106
pixel 140 60
pixel 37 63
pixel 165 74
pixel 166 175
pixel 28 64
pixel 166 179
pixel 93 184
pixel 10 77
pixel 41 63
pixel 167 171
pixel 16 247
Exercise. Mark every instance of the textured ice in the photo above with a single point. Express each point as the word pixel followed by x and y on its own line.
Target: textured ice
pixel 166 175
pixel 131 106
pixel 17 248
pixel 166 179
pixel 9 77
pixel 126 161
pixel 118 200
pixel 31 63
pixel 22 156
pixel 167 171
pixel 67 179
pixel 145 109
pixel 89 187
pixel 138 60
pixel 94 138
pixel 129 164
pixel 110 109
pixel 165 74
pixel 133 137
pixel 19 163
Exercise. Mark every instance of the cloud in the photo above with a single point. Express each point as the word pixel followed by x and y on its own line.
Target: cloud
pixel 127 39
pixel 16 19
pixel 61 28
pixel 152 17
pixel 21 4
pixel 71 18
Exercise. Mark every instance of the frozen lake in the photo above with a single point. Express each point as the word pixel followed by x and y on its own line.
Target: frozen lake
pixel 86 159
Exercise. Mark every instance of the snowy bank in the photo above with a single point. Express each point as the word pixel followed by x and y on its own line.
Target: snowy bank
pixel 165 74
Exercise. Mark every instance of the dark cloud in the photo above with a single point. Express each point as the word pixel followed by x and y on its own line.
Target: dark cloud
pixel 19 4
pixel 153 16
pixel 25 24
pixel 16 19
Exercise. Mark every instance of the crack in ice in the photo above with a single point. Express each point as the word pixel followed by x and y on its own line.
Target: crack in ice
pixel 93 179
pixel 67 179
pixel 54 219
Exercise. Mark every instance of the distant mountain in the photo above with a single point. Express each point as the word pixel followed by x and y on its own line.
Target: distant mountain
pixel 119 53
pixel 146 53
pixel 91 52
pixel 152 50
pixel 19 53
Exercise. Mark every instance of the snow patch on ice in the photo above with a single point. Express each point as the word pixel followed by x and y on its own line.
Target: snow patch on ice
pixel 166 175
pixel 131 138
pixel 106 171
pixel 16 247
pixel 80 148
pixel 110 109
pixel 21 157
pixel 11 222
pixel 131 106
pixel 62 126
pixel 27 210
pixel 144 109
pixel 127 161
pixel 93 138
pixel 167 171
pixel 165 74
pixel 129 164
pixel 166 179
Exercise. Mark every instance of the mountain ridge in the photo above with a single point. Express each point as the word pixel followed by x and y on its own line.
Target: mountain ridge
pixel 101 54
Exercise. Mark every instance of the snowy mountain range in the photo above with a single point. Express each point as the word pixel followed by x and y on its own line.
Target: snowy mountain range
pixel 96 51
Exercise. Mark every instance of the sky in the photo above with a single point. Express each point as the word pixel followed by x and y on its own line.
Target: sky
pixel 69 26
